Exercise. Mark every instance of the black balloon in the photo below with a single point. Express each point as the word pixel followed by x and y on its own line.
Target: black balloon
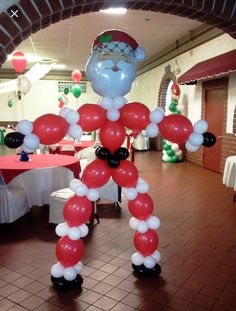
pixel 122 153
pixel 60 283
pixel 142 271
pixel 96 151
pixel 113 162
pixel 103 153
pixel 14 140
pixel 78 281
pixel 209 139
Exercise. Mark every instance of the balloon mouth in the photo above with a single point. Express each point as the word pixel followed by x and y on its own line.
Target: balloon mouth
pixel 115 68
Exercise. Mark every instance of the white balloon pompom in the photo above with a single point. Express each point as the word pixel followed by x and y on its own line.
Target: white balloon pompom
pixel 72 117
pixel 152 130
pixel 31 141
pixel 78 267
pixel 133 222
pixel 190 147
pixel 157 256
pixel 25 127
pixel 74 233
pixel 149 262
pixel 165 156
pixel 63 111
pixel 26 149
pixel 142 186
pixel 70 274
pixel 75 131
pixel 81 190
pixel 142 226
pixel 139 54
pixel 62 229
pixel 113 114
pixel 180 107
pixel 156 116
pixel 74 183
pixel 118 102
pixel 57 270
pixel 93 194
pixel 131 193
pixel 175 147
pixel 153 222
pixel 84 230
pixel 137 259
pixel 195 139
pixel 200 126
pixel 106 103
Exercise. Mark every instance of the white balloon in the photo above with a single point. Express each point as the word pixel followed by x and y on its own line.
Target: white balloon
pixel 106 103
pixel 72 117
pixel 149 262
pixel 65 100
pixel 131 193
pixel 70 274
pixel 113 114
pixel 157 256
pixel 133 222
pixel 153 222
pixel 64 111
pixel 84 230
pixel 162 110
pixel 62 229
pixel 142 226
pixel 57 270
pixel 23 84
pixel 81 190
pixel 78 267
pixel 93 194
pixel 118 102
pixel 175 147
pixel 75 131
pixel 179 154
pixel 165 157
pixel 156 116
pixel 26 149
pixel 31 141
pixel 180 107
pixel 74 233
pixel 152 130
pixel 75 183
pixel 25 127
pixel 200 126
pixel 190 147
pixel 195 139
pixel 142 186
pixel 137 259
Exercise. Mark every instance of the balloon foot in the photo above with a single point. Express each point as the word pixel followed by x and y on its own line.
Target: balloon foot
pixel 62 284
pixel 142 271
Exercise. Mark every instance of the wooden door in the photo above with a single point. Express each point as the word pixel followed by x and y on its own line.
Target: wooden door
pixel 215 98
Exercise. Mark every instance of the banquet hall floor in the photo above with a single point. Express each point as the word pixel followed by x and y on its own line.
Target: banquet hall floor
pixel 197 245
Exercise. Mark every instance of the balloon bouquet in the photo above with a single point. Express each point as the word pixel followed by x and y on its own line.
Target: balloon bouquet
pixel 111 69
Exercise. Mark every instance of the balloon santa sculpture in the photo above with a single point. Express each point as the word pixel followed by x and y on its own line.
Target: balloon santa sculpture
pixel 111 69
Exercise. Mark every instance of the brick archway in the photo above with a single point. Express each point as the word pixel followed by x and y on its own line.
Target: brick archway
pixel 38 14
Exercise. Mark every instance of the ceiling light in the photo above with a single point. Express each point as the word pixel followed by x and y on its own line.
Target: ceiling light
pixel 29 57
pixel 59 66
pixel 114 11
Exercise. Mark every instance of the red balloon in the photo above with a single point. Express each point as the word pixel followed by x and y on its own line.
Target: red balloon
pixel 92 117
pixel 176 128
pixel 69 252
pixel 50 128
pixel 77 210
pixel 112 135
pixel 146 243
pixel 175 89
pixel 135 116
pixel 96 174
pixel 76 75
pixel 18 61
pixel 61 104
pixel 141 207
pixel 126 174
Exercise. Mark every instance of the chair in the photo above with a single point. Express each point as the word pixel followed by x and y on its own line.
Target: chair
pixel 13 202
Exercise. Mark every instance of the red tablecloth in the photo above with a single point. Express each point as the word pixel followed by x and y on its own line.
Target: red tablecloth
pixel 77 145
pixel 10 166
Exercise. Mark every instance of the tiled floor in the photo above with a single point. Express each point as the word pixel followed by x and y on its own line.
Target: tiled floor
pixel 197 244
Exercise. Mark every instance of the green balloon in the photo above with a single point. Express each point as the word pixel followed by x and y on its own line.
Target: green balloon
pixel 59 98
pixel 10 103
pixel 66 90
pixel 166 147
pixel 76 90
pixel 178 111
pixel 172 107
pixel 170 152
pixel 174 158
pixel 174 102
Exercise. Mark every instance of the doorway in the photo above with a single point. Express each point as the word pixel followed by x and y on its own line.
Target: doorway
pixel 215 93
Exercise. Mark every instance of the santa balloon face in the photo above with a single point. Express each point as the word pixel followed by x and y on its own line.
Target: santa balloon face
pixel 111 74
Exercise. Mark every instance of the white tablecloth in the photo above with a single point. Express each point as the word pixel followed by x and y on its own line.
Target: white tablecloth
pixel 39 183
pixel 229 176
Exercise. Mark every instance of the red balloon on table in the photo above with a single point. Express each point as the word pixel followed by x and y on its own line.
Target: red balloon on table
pixel 77 210
pixel 19 61
pixel 135 116
pixel 96 174
pixel 69 252
pixel 76 75
pixel 176 128
pixel 146 243
pixel 92 117
pixel 126 174
pixel 112 135
pixel 50 128
pixel 141 207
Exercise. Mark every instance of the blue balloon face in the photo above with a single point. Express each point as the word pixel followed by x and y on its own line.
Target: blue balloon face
pixel 111 77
